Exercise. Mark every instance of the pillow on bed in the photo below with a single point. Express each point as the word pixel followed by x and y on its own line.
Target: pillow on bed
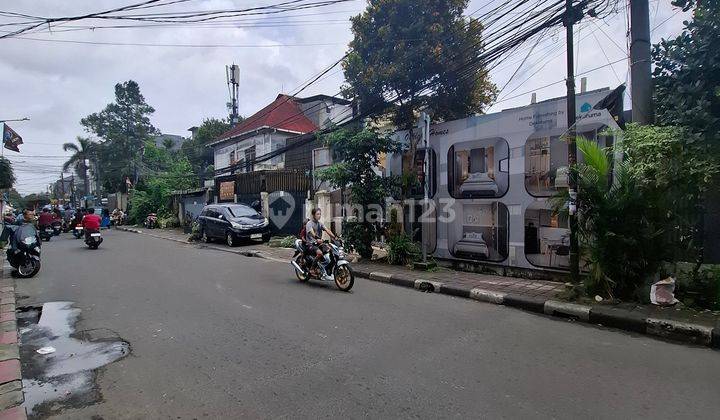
pixel 474 236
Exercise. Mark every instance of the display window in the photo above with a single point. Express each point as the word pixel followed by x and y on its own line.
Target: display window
pixel 480 233
pixel 478 169
pixel 547 237
pixel 546 161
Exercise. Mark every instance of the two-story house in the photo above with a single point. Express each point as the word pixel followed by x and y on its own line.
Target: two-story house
pixel 274 127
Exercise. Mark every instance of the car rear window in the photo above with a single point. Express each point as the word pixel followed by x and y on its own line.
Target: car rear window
pixel 241 211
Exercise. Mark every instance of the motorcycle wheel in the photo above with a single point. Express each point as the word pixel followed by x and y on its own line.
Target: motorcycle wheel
pixel 301 275
pixel 29 269
pixel 344 278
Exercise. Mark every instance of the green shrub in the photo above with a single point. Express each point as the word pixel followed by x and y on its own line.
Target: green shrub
pixel 401 250
pixel 699 289
pixel 282 242
pixel 169 222
pixel 358 237
pixel 195 234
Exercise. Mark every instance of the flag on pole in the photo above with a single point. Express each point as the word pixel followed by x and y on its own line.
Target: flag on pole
pixel 11 139
pixel 613 102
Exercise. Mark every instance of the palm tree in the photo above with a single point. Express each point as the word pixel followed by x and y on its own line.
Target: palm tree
pixel 619 224
pixel 83 152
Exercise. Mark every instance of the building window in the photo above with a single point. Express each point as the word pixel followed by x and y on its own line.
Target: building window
pixel 546 161
pixel 480 232
pixel 547 237
pixel 478 169
pixel 249 158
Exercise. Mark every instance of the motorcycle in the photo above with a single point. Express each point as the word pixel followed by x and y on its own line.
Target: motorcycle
pixel 93 239
pixel 151 221
pixel 46 232
pixel 56 227
pixel 78 231
pixel 337 267
pixel 24 251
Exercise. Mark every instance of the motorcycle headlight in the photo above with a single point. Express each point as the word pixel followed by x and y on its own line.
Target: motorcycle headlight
pixel 29 240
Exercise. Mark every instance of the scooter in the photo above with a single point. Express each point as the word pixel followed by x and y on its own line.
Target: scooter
pixel 24 251
pixel 151 221
pixel 56 227
pixel 93 239
pixel 78 231
pixel 46 232
pixel 337 267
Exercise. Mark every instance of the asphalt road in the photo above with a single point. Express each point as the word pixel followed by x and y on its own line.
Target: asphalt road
pixel 217 335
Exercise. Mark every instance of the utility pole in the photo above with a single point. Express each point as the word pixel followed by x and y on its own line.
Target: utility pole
pixel 572 15
pixel 62 186
pixel 640 73
pixel 232 74
pixel 424 127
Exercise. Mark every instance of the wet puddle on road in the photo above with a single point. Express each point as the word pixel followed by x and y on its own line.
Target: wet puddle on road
pixel 64 377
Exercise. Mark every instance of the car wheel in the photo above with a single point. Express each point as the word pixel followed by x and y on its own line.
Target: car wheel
pixel 230 239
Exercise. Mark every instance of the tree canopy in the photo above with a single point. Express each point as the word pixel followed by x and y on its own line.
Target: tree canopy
pixel 124 126
pixel 196 151
pixel 7 175
pixel 686 76
pixel 400 46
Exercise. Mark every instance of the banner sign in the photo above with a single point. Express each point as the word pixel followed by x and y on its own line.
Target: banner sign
pixel 227 190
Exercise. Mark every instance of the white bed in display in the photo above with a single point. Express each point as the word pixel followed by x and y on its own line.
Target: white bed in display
pixel 472 243
pixel 479 183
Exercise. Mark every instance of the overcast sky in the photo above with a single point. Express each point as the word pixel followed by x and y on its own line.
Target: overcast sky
pixel 56 83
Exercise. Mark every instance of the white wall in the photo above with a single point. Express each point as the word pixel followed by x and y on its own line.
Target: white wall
pixel 264 142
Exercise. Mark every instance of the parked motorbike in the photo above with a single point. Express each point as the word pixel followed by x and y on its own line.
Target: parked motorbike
pixel 24 251
pixel 337 267
pixel 78 231
pixel 46 232
pixel 56 227
pixel 150 221
pixel 93 239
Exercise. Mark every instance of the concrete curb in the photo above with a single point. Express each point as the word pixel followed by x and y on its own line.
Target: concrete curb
pixel 621 319
pixel 609 317
pixel 11 390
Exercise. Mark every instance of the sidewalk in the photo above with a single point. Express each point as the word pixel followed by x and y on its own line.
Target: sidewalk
pixel 702 328
pixel 11 393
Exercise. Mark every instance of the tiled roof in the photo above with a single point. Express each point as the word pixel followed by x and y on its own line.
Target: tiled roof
pixel 283 113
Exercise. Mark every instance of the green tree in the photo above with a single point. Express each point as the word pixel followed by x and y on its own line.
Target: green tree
pixel 400 46
pixel 672 164
pixel 687 93
pixel 357 154
pixel 163 172
pixel 196 150
pixel 124 126
pixel 687 83
pixel 83 152
pixel 7 175
pixel 168 144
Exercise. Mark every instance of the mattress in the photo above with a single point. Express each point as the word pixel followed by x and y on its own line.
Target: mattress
pixel 472 243
pixel 479 183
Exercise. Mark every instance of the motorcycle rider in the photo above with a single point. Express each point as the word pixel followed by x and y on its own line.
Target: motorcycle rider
pixel 44 221
pixel 91 222
pixel 313 240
